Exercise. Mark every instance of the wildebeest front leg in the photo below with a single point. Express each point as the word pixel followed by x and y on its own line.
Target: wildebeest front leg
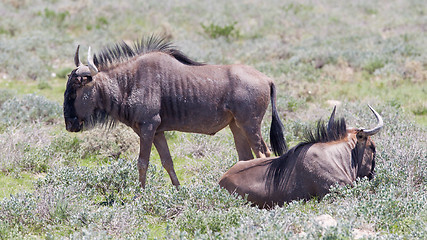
pixel 162 147
pixel 143 160
pixel 146 133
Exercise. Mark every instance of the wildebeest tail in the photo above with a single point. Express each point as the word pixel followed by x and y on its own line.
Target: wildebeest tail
pixel 277 139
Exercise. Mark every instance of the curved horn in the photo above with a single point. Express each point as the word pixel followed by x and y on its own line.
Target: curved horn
pixel 91 65
pixel 377 128
pixel 331 119
pixel 76 57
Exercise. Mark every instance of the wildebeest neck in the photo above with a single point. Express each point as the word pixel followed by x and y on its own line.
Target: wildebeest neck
pixel 120 91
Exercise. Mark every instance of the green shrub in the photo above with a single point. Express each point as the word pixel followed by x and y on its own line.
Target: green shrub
pixel 67 148
pixel 216 31
pixel 62 150
pixel 19 211
pixel 373 65
pixel 113 182
pixel 43 85
pixel 29 108
pixel 101 22
pixel 53 16
pixel 35 160
pixel 5 95
pixel 297 8
pixel 197 221
pixel 63 72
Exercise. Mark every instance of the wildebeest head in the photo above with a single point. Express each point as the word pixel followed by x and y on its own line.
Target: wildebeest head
pixel 78 93
pixel 363 153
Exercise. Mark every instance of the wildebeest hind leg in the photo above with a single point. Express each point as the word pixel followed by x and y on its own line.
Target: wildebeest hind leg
pixel 253 134
pixel 242 145
pixel 265 147
pixel 165 156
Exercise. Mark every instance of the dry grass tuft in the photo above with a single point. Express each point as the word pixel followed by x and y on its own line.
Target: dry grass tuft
pixel 17 140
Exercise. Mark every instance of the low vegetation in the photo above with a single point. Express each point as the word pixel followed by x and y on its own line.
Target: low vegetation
pixel 55 184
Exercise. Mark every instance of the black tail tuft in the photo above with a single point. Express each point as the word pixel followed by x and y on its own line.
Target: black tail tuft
pixel 277 139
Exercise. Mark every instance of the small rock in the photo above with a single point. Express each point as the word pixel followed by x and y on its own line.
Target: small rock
pixel 326 221
pixel 302 235
pixel 362 233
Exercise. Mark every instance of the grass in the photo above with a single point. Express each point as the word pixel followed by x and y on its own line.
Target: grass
pixel 55 184
pixel 52 90
pixel 11 185
pixel 398 92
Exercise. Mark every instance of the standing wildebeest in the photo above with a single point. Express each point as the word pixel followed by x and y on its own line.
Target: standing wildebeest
pixel 154 87
pixel 332 155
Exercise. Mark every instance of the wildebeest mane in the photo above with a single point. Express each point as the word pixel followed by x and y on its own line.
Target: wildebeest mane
pixel 322 133
pixel 99 117
pixel 276 174
pixel 121 52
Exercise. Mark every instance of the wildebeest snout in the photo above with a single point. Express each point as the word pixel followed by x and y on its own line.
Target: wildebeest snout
pixel 73 124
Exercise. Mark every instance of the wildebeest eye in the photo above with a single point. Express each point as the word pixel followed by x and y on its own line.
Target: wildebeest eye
pixel 361 137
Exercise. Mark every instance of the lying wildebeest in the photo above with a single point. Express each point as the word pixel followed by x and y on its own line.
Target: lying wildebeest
pixel 334 154
pixel 154 87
